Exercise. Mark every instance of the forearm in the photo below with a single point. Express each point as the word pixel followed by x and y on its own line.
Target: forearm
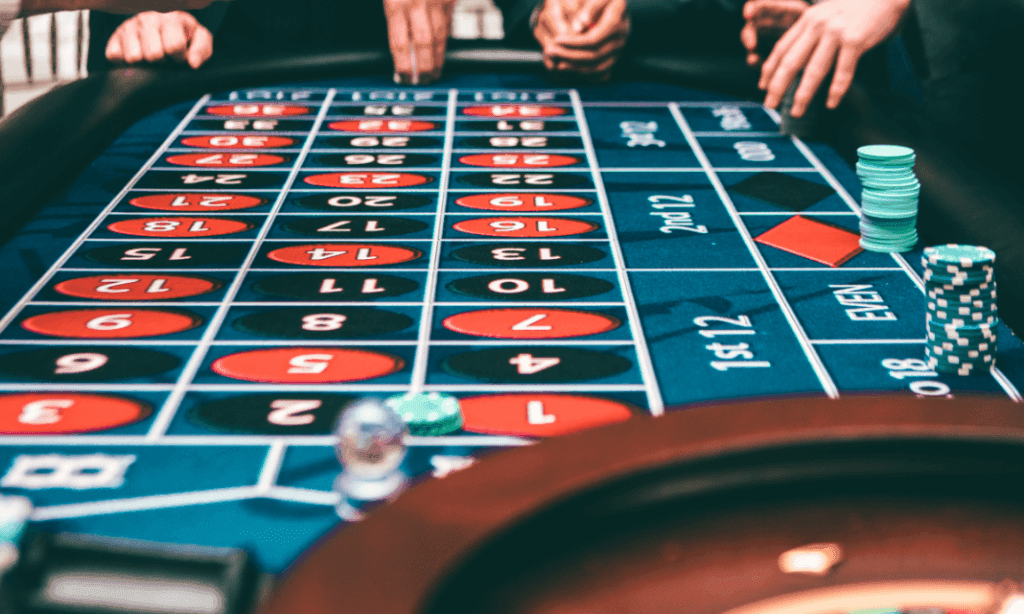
pixel 33 7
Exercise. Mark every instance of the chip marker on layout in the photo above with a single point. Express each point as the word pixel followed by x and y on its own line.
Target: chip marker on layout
pixel 15 514
pixel 427 413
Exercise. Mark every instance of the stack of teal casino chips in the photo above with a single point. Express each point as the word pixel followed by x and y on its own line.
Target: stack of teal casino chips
pixel 962 317
pixel 888 221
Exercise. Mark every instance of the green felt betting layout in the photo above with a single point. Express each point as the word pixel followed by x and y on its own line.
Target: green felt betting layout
pixel 555 259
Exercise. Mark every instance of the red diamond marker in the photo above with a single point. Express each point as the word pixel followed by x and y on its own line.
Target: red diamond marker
pixel 813 240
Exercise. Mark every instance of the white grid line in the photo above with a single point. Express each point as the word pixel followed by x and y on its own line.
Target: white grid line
pixel 866 341
pixel 303 495
pixel 683 104
pixel 277 446
pixel 327 387
pixel 746 135
pixel 302 190
pixel 170 406
pixel 828 268
pixel 724 169
pixel 818 167
pixel 314 170
pixel 381 240
pixel 248 440
pixel 223 132
pixel 45 279
pixel 571 133
pixel 791 214
pixel 302 342
pixel 291 213
pixel 314 190
pixel 504 269
pixel 532 189
pixel 1004 382
pixel 851 202
pixel 816 364
pixel 650 380
pixel 317 304
pixel 89 387
pixel 421 358
pixel 271 467
pixel 138 504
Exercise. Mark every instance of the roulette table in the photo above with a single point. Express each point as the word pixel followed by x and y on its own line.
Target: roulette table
pixel 201 271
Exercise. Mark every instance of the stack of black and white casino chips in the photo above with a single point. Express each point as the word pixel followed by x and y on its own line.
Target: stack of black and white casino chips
pixel 962 317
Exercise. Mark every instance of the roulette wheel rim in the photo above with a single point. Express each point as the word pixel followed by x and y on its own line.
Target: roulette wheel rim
pixel 920 487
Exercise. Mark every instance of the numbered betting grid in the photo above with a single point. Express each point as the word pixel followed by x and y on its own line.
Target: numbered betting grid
pixel 214 188
pixel 775 219
pixel 510 247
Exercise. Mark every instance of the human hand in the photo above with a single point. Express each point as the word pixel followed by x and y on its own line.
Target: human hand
pixel 766 16
pixel 585 39
pixel 552 21
pixel 834 32
pixel 153 37
pixel 418 33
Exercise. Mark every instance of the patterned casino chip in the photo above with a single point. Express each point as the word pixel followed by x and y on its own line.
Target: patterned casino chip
pixel 982 276
pixel 958 329
pixel 985 290
pixel 427 413
pixel 959 257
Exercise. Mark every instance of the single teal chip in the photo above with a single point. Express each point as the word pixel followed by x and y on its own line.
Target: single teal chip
pixel 965 256
pixel 890 183
pixel 890 213
pixel 427 413
pixel 885 153
pixel 895 195
pixel 867 169
pixel 14 517
pixel 895 226
pixel 953 282
pixel 884 248
pixel 982 291
pixel 960 319
pixel 891 201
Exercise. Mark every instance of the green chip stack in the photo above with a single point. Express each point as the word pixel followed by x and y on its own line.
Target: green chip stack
pixel 962 317
pixel 888 221
pixel 427 413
